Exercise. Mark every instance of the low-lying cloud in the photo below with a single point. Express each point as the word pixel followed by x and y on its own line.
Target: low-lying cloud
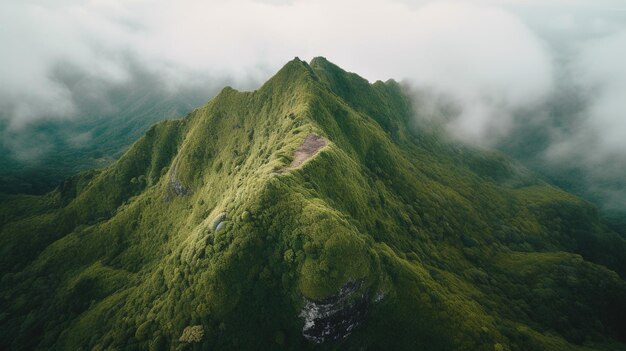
pixel 486 70
pixel 477 53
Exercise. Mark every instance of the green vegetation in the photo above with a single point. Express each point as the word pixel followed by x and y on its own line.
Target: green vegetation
pixel 198 239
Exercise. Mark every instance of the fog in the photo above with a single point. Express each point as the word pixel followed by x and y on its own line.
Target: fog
pixel 488 71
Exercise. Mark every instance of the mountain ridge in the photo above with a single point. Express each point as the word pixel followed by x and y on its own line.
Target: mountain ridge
pixel 203 223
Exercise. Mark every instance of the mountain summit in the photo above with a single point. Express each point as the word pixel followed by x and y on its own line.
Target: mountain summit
pixel 310 213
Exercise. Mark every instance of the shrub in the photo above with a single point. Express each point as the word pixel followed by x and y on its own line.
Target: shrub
pixel 192 334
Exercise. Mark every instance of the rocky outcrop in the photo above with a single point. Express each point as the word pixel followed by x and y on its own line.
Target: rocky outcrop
pixel 335 317
pixel 218 222
pixel 175 185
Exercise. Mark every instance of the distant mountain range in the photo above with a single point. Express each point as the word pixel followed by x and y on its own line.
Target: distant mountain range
pixel 36 158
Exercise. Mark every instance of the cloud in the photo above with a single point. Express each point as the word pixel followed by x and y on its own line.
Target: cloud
pixel 483 68
pixel 602 68
pixel 485 59
pixel 475 52
pixel 34 40
pixel 596 142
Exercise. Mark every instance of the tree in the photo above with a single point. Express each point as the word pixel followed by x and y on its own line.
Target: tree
pixel 192 334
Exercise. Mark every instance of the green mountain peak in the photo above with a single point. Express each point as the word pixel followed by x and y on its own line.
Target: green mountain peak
pixel 308 214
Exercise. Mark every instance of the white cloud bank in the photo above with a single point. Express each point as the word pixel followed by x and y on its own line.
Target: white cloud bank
pixel 482 55
pixel 601 69
pixel 488 59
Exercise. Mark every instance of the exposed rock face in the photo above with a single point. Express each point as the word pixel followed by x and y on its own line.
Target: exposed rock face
pixel 337 316
pixel 218 222
pixel 219 227
pixel 175 185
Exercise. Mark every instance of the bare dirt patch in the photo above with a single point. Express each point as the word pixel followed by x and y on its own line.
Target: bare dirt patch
pixel 309 147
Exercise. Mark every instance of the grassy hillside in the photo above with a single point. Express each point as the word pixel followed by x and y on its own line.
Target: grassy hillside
pixel 204 235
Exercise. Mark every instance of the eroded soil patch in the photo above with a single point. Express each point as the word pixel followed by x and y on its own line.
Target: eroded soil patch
pixel 309 147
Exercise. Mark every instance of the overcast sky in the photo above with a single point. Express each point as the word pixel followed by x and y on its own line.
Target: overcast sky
pixel 490 58
pixel 503 52
pixel 502 49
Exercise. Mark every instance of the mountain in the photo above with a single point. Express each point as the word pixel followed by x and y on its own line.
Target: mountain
pixel 310 213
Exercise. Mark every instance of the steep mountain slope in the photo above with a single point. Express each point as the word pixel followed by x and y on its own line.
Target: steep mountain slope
pixel 308 214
